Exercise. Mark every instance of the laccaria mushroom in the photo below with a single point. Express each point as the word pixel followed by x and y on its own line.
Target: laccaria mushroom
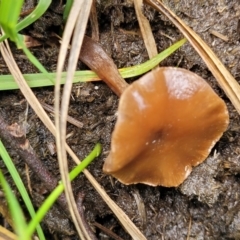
pixel 168 122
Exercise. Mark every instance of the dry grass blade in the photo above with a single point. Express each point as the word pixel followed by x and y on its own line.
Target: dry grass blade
pixel 36 106
pixel 145 30
pixel 222 75
pixel 94 21
pixel 78 18
pixel 6 234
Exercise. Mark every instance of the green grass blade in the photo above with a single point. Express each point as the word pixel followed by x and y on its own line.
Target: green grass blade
pixel 20 186
pixel 67 9
pixel 60 188
pixel 15 210
pixel 32 58
pixel 39 10
pixel 7 82
pixel 150 64
pixel 9 13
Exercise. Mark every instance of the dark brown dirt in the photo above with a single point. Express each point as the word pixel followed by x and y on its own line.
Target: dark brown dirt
pixel 207 205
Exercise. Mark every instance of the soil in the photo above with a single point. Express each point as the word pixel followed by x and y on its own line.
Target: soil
pixel 207 205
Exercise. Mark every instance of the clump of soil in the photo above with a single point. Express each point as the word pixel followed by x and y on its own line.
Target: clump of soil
pixel 212 209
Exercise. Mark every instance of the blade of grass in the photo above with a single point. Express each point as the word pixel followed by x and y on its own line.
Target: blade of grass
pixel 32 17
pixel 31 57
pixel 15 209
pixel 67 10
pixel 7 82
pixel 146 30
pixel 9 21
pixel 20 186
pixel 9 14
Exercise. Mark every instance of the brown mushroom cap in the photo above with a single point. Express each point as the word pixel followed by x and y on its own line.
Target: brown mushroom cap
pixel 168 121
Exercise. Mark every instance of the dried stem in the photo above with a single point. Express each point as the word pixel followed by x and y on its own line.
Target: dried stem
pixel 81 213
pixel 14 137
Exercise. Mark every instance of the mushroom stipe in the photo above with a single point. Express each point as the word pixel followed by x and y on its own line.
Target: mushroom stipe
pixel 168 121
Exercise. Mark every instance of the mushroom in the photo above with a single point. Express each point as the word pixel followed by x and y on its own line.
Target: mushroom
pixel 168 121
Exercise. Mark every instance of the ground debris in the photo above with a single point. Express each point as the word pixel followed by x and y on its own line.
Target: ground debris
pixel 201 182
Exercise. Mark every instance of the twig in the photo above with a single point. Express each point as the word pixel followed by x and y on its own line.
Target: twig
pixel 219 35
pixel 189 228
pixel 107 231
pixel 14 137
pixel 81 213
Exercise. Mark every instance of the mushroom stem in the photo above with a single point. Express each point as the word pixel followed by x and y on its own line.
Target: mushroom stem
pixel 97 59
